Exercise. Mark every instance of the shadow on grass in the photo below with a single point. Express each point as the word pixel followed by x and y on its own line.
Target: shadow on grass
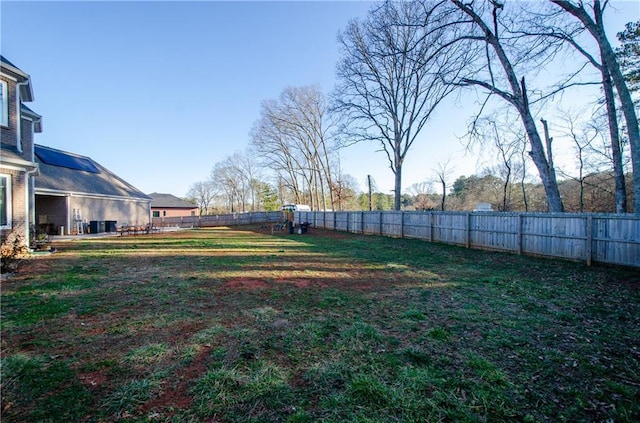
pixel 240 325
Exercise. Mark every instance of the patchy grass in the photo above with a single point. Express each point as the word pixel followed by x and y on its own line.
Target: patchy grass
pixel 236 325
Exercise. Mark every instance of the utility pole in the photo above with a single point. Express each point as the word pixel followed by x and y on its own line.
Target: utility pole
pixel 370 194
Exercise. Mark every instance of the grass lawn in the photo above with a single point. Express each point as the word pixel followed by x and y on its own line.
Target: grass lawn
pixel 238 325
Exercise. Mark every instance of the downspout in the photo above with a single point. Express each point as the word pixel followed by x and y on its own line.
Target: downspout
pixel 29 172
pixel 27 203
pixel 68 228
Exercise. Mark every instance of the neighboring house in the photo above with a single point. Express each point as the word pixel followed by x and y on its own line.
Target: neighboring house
pixel 167 205
pixel 18 168
pixel 75 190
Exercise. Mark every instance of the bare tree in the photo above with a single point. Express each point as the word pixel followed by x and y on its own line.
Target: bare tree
pixel 443 173
pixel 228 183
pixel 293 138
pixel 247 167
pixel 305 113
pixel 276 151
pixel 497 74
pixel 500 136
pixel 556 24
pixel 344 188
pixel 591 16
pixel 202 193
pixel 507 152
pixel 582 139
pixel 423 193
pixel 392 76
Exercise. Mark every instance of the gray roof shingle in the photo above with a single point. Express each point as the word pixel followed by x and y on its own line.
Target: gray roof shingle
pixel 65 179
pixel 168 201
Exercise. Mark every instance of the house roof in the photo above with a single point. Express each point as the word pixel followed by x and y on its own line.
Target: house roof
pixel 11 156
pixel 26 91
pixel 64 172
pixel 168 201
pixel 37 119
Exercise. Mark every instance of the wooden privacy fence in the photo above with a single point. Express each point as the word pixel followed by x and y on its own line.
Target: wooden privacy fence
pixel 231 219
pixel 603 238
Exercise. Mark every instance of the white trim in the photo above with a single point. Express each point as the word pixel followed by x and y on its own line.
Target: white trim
pixel 9 204
pixel 30 214
pixel 68 202
pixel 13 69
pixel 4 119
pixel 6 75
pixel 55 192
pixel 19 165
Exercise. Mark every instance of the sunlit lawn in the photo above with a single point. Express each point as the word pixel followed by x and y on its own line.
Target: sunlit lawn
pixel 231 325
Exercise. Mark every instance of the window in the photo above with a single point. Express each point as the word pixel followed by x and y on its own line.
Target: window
pixel 4 104
pixel 156 213
pixel 5 201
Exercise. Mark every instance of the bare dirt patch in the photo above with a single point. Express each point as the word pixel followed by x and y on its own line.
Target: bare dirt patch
pixel 246 284
pixel 303 283
pixel 93 380
pixel 174 398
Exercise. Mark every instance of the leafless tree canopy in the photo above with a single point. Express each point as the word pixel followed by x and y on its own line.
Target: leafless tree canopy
pixel 294 138
pixel 203 194
pixel 396 67
pixel 503 60
pixel 591 15
pixel 392 76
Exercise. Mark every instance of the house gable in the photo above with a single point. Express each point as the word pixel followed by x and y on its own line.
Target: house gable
pixel 17 166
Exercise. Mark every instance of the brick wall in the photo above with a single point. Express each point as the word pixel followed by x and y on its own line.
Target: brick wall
pixel 18 216
pixel 27 140
pixel 9 135
pixel 175 212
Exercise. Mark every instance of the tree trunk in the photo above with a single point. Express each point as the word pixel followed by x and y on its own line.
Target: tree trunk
pixel 596 28
pixel 618 170
pixel 547 175
pixel 518 98
pixel 628 109
pixel 444 193
pixel 397 191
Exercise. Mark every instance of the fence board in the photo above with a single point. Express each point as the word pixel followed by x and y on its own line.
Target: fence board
pixel 603 238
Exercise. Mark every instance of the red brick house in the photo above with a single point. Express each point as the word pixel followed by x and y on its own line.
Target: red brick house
pixel 167 205
pixel 18 167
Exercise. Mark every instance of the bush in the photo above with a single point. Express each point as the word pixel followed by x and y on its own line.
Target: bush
pixel 12 251
pixel 40 239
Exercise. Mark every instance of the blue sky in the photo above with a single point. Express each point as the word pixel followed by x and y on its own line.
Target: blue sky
pixel 158 92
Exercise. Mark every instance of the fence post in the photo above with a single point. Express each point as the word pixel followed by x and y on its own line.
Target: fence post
pixel 431 218
pixel 380 222
pixel 589 248
pixel 362 222
pixel 519 233
pixel 468 240
pixel 402 224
